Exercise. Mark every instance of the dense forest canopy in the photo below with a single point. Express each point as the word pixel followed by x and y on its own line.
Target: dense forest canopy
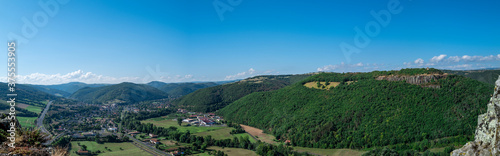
pixel 365 113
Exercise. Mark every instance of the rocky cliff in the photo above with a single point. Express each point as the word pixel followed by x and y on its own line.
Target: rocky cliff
pixel 487 137
pixel 421 79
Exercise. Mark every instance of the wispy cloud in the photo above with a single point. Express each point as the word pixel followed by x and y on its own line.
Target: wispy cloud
pixel 344 67
pixel 250 72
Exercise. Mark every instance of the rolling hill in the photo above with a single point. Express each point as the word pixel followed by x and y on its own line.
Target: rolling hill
pixel 214 98
pixel 180 89
pixel 27 94
pixel 65 89
pixel 125 93
pixel 484 75
pixel 364 110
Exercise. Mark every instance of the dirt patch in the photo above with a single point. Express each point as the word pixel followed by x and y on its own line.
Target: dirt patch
pixel 22 105
pixel 259 134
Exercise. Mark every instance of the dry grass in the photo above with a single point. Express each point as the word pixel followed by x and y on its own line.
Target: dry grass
pixel 323 85
pixel 259 134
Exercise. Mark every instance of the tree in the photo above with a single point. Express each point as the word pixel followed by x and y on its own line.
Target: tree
pixel 179 121
pixel 84 147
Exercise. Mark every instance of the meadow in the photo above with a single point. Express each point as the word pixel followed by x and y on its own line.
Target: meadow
pixel 115 149
pixel 26 122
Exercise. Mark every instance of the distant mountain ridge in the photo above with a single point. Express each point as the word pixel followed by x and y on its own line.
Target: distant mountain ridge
pixel 180 89
pixel 126 93
pixel 484 75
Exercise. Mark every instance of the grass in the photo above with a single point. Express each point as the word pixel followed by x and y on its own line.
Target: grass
pixel 330 152
pixel 128 148
pixel 230 151
pixel 223 133
pixel 323 85
pixel 183 128
pixel 259 134
pixel 26 122
pixel 314 84
pixel 34 109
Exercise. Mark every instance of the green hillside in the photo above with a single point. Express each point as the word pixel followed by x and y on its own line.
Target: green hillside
pixel 486 76
pixel 27 94
pixel 366 112
pixel 126 93
pixel 180 89
pixel 214 98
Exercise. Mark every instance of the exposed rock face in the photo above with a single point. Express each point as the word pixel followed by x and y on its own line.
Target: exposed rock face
pixel 487 137
pixel 415 79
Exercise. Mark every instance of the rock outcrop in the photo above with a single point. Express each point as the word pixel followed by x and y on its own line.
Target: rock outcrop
pixel 487 137
pixel 420 79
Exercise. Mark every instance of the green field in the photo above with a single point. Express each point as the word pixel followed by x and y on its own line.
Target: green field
pixel 127 148
pixel 223 133
pixel 330 152
pixel 26 122
pixel 34 109
pixel 230 151
pixel 165 122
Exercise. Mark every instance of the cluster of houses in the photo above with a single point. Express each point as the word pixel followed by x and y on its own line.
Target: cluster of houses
pixel 201 119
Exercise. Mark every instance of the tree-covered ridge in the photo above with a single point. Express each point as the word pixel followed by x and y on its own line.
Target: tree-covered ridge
pixel 366 113
pixel 180 89
pixel 26 94
pixel 214 98
pixel 126 93
pixel 486 76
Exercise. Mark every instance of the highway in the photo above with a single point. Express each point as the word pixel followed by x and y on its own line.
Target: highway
pixel 39 122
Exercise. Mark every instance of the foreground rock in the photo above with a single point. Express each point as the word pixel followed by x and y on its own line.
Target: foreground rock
pixel 487 137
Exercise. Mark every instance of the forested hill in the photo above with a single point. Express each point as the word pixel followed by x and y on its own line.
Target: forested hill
pixel 180 89
pixel 126 93
pixel 26 94
pixel 487 76
pixel 213 98
pixel 355 110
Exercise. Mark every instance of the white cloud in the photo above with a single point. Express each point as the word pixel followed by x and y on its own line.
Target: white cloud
pixel 419 61
pixel 245 74
pixel 88 77
pixel 438 58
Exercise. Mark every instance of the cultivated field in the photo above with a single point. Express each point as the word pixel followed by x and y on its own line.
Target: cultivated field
pixel 165 122
pixel 330 152
pixel 230 151
pixel 259 134
pixel 26 122
pixel 127 148
pixel 224 134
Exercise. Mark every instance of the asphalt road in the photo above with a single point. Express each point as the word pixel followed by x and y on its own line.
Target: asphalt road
pixel 39 123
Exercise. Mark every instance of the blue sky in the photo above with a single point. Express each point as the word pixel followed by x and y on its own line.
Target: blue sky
pixel 186 40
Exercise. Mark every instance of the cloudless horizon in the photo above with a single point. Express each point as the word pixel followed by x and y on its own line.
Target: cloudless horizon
pixel 183 41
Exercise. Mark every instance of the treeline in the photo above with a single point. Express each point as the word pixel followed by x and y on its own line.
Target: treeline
pixel 237 128
pixel 200 143
pixel 364 114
